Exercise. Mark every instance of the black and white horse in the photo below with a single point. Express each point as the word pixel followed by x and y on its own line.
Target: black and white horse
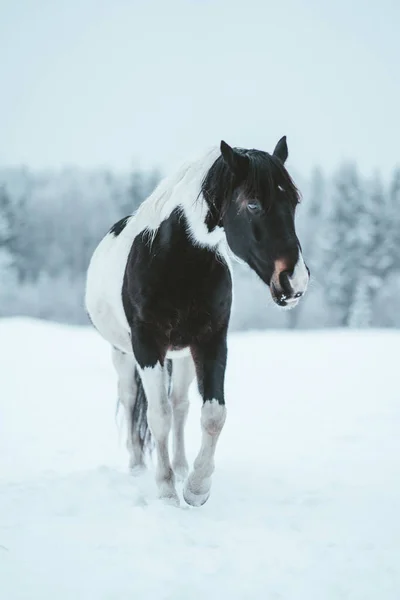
pixel 159 287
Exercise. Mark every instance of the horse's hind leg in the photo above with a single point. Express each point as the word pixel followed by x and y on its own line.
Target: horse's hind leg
pixel 159 414
pixel 182 376
pixel 128 391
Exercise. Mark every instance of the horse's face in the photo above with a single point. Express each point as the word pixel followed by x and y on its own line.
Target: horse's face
pixel 259 220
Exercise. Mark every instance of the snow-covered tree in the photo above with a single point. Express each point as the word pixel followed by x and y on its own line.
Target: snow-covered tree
pixel 393 235
pixel 5 234
pixel 360 313
pixel 340 242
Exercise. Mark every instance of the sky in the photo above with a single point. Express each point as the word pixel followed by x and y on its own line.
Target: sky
pixel 120 82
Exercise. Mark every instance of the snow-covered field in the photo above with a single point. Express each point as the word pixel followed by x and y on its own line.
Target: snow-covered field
pixel 306 495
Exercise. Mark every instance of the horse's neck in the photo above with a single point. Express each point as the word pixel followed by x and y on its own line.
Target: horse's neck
pixel 182 190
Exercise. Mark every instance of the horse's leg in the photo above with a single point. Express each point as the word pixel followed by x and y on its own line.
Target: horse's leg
pixel 127 393
pixel 210 361
pixel 154 376
pixel 182 376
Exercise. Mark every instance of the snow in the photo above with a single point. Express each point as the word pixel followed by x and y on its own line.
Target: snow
pixel 305 495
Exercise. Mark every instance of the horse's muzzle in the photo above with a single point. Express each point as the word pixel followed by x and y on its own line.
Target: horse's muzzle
pixel 287 285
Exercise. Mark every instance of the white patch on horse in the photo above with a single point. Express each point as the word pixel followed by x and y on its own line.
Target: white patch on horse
pixel 181 353
pixel 183 373
pixel 159 415
pixel 299 280
pixel 198 485
pixel 103 290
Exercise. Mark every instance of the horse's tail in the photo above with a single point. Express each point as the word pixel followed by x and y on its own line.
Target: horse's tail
pixel 139 416
pixel 139 411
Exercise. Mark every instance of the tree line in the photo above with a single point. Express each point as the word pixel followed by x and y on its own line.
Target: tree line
pixel 348 225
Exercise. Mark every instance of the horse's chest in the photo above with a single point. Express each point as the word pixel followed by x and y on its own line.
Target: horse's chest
pixel 181 306
pixel 180 291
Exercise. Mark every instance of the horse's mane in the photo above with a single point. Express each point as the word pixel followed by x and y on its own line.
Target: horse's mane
pixel 181 187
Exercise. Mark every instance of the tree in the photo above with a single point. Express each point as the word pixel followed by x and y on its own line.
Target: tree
pixel 5 233
pixel 360 312
pixel 340 243
pixel 392 234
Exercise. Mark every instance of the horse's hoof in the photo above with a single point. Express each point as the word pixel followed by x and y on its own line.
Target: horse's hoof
pixel 137 468
pixel 167 492
pixel 171 500
pixel 195 499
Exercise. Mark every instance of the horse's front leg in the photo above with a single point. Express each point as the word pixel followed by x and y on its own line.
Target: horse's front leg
pixel 210 360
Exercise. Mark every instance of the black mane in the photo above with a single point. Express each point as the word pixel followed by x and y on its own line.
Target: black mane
pixel 263 174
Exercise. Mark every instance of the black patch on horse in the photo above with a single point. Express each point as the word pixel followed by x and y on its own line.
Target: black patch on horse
pixel 175 294
pixel 119 226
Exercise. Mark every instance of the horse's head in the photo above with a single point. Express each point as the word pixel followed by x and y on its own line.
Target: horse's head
pixel 258 213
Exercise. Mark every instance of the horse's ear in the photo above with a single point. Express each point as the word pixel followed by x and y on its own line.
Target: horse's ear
pixel 281 150
pixel 235 161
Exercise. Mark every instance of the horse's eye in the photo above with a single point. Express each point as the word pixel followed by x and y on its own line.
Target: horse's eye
pixel 253 206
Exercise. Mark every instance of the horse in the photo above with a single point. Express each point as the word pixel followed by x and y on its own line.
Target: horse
pixel 159 290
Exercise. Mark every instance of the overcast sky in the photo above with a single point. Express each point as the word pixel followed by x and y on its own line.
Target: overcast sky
pixel 95 82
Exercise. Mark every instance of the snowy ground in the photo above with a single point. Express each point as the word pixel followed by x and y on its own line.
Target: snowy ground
pixel 305 499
